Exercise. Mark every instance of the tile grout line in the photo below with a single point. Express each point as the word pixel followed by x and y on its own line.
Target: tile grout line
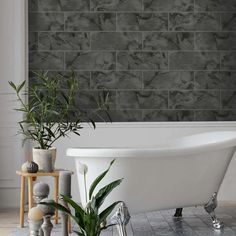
pixel 168 99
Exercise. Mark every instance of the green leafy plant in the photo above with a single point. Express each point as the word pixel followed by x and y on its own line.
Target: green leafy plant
pixel 90 220
pixel 50 109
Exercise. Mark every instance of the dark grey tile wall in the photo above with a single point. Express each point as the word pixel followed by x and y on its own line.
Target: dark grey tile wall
pixel 161 60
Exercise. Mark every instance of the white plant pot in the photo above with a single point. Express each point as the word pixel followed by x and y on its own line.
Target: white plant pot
pixel 45 158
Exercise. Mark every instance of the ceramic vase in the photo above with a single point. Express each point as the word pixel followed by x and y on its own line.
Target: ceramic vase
pixel 45 158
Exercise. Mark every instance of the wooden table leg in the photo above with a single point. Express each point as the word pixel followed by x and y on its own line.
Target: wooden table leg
pixel 22 201
pixel 30 192
pixel 56 186
pixel 69 225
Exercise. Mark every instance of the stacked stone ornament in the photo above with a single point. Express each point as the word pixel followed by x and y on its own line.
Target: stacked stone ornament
pixel 44 226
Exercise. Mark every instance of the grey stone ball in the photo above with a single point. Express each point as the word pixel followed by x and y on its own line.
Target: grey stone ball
pixel 47 210
pixel 41 189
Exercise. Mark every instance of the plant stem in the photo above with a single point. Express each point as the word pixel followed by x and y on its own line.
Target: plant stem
pixel 85 188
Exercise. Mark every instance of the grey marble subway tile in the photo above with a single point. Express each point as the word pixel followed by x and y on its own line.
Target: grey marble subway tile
pixel 205 99
pixel 215 80
pixel 63 5
pixel 142 99
pixel 228 60
pixel 194 21
pixel 120 116
pixel 167 115
pixel 153 74
pixel 228 21
pixel 116 40
pixel 118 5
pixel 168 80
pixel 64 41
pixel 194 60
pixel 90 60
pixel 116 80
pixel 208 80
pixel 228 79
pixel 215 5
pixel 90 21
pixel 168 41
pixel 142 21
pixel 32 5
pixel 83 78
pixel 46 21
pixel 228 99
pixel 46 60
pixel 216 41
pixel 91 99
pixel 142 61
pixel 215 115
pixel 169 5
pixel 33 40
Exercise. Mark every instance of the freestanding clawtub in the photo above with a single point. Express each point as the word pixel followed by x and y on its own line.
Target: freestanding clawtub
pixel 184 172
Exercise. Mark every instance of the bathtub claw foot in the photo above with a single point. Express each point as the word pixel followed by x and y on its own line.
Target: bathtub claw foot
pixel 121 219
pixel 178 212
pixel 217 224
pixel 210 209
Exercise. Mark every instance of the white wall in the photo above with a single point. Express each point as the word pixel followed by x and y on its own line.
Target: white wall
pixel 12 67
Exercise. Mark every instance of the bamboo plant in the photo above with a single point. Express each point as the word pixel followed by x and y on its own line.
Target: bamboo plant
pixel 51 112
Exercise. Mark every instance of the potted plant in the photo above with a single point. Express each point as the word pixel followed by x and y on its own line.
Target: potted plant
pixel 50 112
pixel 89 219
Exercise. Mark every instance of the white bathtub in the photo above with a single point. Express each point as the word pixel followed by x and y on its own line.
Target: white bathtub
pixel 181 172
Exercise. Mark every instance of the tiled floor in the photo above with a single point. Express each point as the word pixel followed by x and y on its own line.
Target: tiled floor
pixel 195 222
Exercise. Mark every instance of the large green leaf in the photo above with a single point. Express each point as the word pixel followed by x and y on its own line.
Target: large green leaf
pixel 79 233
pixel 98 180
pixel 79 212
pixel 105 191
pixel 73 204
pixel 56 206
pixel 104 214
pixel 61 208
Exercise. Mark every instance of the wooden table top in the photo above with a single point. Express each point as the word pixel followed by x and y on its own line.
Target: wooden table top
pixel 55 173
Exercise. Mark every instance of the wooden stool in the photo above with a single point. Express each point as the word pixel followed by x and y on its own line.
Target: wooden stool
pixel 30 177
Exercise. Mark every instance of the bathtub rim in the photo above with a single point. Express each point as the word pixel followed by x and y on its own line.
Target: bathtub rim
pixel 136 152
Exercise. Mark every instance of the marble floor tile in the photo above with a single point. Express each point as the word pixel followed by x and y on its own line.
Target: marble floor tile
pixel 195 222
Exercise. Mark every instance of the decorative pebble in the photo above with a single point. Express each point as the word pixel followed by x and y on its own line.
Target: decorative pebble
pixel 24 166
pixel 32 167
pixel 47 210
pixel 41 189
pixel 35 214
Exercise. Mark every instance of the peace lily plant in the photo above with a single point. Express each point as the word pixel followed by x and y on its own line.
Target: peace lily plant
pixel 89 219
pixel 50 112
